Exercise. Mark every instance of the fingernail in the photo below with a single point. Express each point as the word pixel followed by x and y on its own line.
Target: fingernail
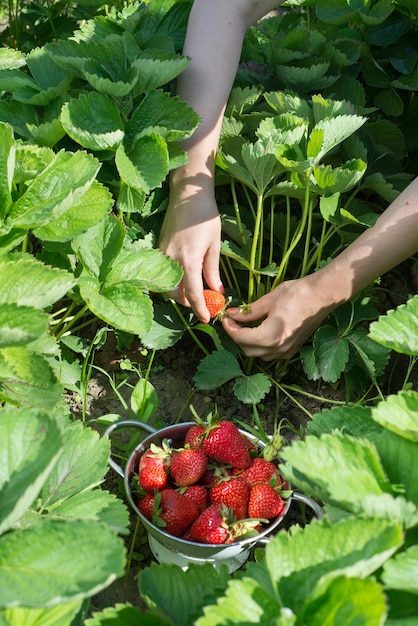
pixel 232 311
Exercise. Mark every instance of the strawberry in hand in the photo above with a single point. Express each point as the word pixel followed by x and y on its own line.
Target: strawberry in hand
pixel 215 302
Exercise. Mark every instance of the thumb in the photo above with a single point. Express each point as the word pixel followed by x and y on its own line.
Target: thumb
pixel 247 312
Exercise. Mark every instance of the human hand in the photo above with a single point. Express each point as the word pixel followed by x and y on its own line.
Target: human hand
pixel 191 235
pixel 289 315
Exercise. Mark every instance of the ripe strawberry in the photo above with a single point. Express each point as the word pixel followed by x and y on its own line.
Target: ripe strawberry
pixel 224 443
pixel 252 448
pixel 187 466
pixel 175 513
pixel 211 526
pixel 233 493
pixel 262 471
pixel 199 495
pixel 215 301
pixel 146 505
pixel 194 436
pixel 264 502
pixel 152 471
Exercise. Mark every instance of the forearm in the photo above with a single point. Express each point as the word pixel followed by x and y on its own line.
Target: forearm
pixel 213 41
pixel 390 241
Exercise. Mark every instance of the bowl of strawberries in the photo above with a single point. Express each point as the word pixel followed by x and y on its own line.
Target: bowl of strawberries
pixel 204 490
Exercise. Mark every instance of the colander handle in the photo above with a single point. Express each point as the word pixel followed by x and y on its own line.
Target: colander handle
pixel 122 424
pixel 299 497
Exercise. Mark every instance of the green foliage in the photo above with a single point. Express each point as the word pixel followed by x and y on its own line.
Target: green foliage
pixel 318 136
pixel 359 563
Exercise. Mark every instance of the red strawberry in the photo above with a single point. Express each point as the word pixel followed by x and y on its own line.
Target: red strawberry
pixel 215 301
pixel 264 502
pixel 152 472
pixel 233 493
pixel 175 513
pixel 252 448
pixel 194 436
pixel 188 465
pixel 211 526
pixel 262 471
pixel 199 495
pixel 224 443
pixel 146 505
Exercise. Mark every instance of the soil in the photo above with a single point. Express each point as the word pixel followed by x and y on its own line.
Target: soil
pixel 172 377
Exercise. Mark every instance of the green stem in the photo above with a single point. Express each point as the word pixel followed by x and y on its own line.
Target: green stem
pixel 238 214
pixel 254 247
pixel 307 243
pixel 189 328
pixel 305 213
pixel 72 321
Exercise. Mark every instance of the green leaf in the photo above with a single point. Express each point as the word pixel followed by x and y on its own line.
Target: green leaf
pixel 252 389
pixel 93 120
pixel 26 379
pixel 301 563
pixel 127 615
pixel 31 160
pixel 328 180
pixel 398 456
pixel 174 119
pixel 7 165
pixel 144 400
pixel 331 353
pixel 181 594
pixel 61 615
pixel 339 469
pixel 31 444
pixel 346 600
pixel 94 505
pixel 166 328
pixel 93 207
pixel 262 165
pixel 81 465
pixel 20 325
pixel 399 413
pixel 11 59
pixel 99 246
pixel 336 130
pixel 145 268
pixel 372 356
pixel 47 134
pixel 401 572
pixel 109 71
pixel 31 563
pixel 398 329
pixel 156 68
pixel 55 190
pixel 245 602
pixel 121 305
pixel 146 165
pixel 216 369
pixel 30 283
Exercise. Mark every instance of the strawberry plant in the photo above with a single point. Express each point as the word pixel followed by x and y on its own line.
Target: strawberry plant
pixel 317 139
pixel 318 136
pixel 360 560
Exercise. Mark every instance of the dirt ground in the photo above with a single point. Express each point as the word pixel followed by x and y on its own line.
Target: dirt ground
pixel 172 377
